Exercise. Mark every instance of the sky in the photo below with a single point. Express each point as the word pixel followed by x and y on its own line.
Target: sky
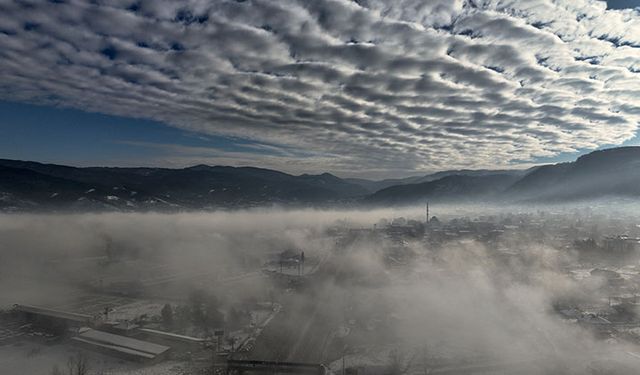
pixel 366 88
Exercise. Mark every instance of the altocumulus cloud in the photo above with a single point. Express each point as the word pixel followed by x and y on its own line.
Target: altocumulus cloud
pixel 367 85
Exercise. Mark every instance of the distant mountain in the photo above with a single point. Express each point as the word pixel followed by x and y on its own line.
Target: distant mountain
pixel 600 174
pixel 373 185
pixel 451 188
pixel 30 185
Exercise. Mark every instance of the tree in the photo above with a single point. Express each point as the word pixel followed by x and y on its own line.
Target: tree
pixel 167 316
pixel 214 318
pixel 196 307
pixel 427 359
pixel 399 364
pixel 181 317
pixel 204 311
pixel 76 365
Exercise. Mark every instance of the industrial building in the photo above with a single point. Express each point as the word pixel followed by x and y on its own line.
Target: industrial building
pixel 175 341
pixel 50 319
pixel 120 346
pixel 64 322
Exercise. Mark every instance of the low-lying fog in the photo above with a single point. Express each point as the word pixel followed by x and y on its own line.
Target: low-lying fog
pixel 461 300
pixel 30 243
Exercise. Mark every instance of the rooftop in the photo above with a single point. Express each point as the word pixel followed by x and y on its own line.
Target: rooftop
pixel 58 314
pixel 121 344
pixel 173 336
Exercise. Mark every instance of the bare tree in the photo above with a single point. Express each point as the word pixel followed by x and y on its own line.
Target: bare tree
pixel 399 363
pixel 167 316
pixel 76 365
pixel 56 370
pixel 426 360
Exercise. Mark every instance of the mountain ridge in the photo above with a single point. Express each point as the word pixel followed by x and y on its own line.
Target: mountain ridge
pixel 27 185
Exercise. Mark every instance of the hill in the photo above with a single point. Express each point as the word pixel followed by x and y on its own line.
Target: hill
pixel 451 188
pixel 25 185
pixel 606 173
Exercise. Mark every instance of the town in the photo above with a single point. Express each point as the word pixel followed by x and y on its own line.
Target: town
pixel 340 301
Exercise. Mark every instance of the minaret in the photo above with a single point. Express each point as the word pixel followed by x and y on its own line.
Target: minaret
pixel 427 212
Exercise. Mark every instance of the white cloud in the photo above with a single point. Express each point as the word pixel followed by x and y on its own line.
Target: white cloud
pixel 372 85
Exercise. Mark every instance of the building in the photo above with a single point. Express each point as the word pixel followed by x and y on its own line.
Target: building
pixel 620 244
pixel 51 320
pixel 120 346
pixel 173 340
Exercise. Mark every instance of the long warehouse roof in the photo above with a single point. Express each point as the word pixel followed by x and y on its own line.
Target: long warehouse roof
pixel 123 342
pixel 52 313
